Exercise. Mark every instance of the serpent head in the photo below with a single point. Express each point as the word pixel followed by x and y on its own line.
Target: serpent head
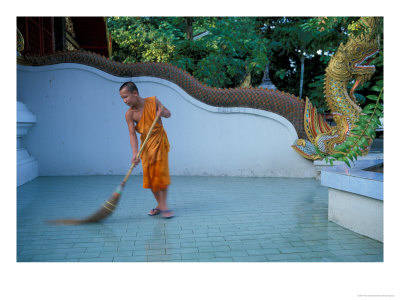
pixel 352 59
pixel 360 54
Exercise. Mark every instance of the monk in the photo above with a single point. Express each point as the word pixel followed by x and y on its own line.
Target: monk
pixel 139 117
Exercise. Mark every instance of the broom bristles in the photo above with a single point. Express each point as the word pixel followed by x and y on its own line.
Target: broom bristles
pixel 110 205
pixel 104 211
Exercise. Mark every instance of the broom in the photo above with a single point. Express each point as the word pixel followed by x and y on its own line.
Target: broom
pixel 109 206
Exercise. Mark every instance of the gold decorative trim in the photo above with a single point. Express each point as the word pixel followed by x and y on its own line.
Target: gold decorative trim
pixel 20 43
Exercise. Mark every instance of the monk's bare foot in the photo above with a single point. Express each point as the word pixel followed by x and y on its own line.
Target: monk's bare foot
pixel 154 212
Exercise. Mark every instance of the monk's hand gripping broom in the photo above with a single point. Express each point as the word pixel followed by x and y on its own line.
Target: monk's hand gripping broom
pixel 109 206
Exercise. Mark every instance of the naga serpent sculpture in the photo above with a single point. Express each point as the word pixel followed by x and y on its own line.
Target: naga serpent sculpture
pixel 351 61
pixel 313 131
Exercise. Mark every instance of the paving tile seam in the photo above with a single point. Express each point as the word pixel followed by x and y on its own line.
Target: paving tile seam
pixel 291 228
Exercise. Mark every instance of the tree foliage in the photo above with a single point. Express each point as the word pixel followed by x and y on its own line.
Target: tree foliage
pixel 143 39
pixel 231 48
pixel 234 47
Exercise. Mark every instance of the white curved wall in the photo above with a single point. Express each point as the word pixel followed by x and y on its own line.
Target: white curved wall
pixel 81 128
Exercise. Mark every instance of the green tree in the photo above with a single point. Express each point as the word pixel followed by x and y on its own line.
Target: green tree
pixel 143 38
pixel 222 58
pixel 294 52
pixel 234 48
pixel 298 49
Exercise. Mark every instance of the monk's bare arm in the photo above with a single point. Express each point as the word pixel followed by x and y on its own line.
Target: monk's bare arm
pixel 132 136
pixel 162 111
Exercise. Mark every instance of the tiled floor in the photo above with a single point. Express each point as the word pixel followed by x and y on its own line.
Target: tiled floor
pixel 218 219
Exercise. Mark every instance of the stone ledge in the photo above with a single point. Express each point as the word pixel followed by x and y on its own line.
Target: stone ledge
pixel 322 165
pixel 355 180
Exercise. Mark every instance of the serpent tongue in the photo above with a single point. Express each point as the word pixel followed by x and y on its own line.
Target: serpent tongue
pixel 370 59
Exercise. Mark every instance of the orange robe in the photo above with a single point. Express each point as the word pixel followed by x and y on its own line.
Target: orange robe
pixel 155 154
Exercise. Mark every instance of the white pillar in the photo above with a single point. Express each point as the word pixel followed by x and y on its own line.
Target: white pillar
pixel 27 166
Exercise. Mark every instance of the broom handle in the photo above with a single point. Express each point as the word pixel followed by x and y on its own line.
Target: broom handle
pixel 140 150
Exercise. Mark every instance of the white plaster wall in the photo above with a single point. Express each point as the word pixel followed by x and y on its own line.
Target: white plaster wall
pixel 81 128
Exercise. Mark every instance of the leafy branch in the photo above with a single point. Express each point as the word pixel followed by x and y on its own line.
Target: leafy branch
pixel 361 135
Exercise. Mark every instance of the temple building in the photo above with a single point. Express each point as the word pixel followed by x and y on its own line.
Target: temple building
pixel 45 35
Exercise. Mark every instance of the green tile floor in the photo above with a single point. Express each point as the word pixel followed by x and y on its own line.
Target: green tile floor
pixel 218 219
